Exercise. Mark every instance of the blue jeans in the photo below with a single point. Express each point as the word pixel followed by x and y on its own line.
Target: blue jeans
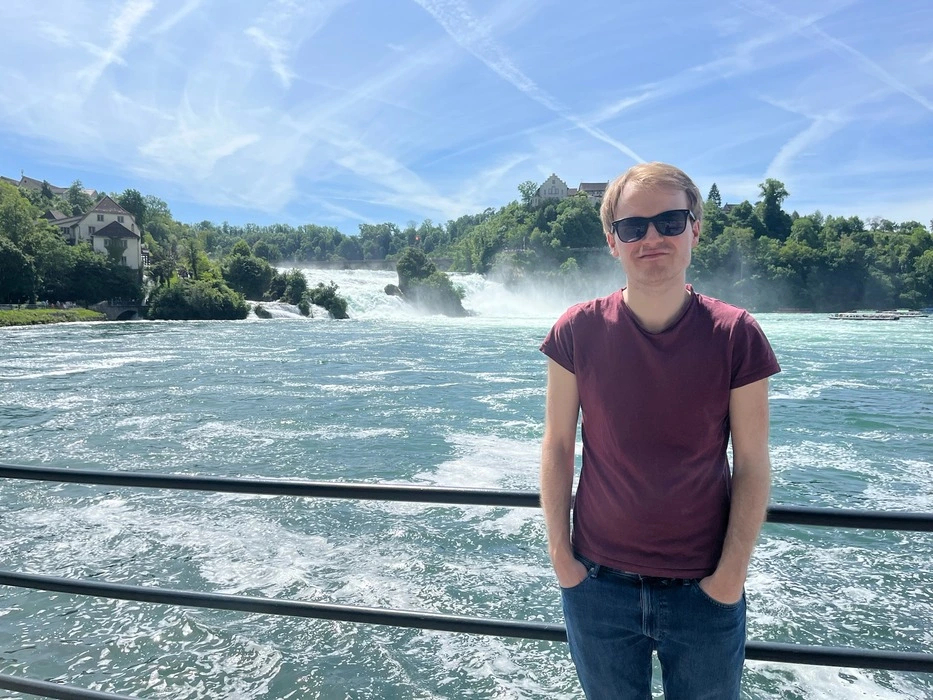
pixel 616 619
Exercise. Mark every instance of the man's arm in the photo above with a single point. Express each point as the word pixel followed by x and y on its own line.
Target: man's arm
pixel 562 410
pixel 751 484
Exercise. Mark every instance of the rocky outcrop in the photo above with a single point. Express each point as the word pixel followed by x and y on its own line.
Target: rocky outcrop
pixel 421 284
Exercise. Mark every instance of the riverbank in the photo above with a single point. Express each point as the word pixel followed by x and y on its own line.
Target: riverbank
pixel 32 317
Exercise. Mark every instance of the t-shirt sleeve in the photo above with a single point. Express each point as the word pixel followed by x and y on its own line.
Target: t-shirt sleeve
pixel 752 356
pixel 558 344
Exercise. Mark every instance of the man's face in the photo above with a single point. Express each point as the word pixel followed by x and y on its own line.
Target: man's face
pixel 655 260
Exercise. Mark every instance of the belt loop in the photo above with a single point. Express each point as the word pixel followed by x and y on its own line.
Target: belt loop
pixel 594 570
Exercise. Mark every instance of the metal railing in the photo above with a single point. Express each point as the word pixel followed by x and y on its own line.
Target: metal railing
pixel 757 651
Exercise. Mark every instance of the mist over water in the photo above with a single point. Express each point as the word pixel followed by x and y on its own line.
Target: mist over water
pixel 394 396
pixel 485 298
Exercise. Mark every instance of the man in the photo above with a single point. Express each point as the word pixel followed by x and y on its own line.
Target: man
pixel 662 531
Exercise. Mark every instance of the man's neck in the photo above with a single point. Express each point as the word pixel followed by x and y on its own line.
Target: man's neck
pixel 656 309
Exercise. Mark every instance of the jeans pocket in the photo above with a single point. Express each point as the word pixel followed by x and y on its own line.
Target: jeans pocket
pixel 576 586
pixel 695 585
pixel 591 571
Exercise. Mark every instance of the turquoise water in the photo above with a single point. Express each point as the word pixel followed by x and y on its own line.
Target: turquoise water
pixel 390 396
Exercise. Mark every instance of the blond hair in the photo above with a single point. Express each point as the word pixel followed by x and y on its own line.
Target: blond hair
pixel 650 176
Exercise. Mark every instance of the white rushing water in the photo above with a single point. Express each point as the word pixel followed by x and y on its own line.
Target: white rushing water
pixel 394 396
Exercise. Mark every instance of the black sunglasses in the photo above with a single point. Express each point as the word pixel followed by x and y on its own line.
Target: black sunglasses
pixel 667 223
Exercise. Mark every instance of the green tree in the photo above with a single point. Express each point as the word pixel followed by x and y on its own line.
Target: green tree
pixel 115 249
pixel 296 287
pixel 162 271
pixel 197 300
pixel 714 221
pixel 79 200
pixel 527 191
pixel 743 215
pixel 135 204
pixel 378 239
pixel 17 274
pixel 53 261
pixel 248 275
pixel 195 260
pixel 349 249
pixel 326 297
pixel 241 249
pixel 90 281
pixel 776 222
pixel 267 251
pixel 156 208
pixel 577 224
pixel 413 266
pixel 805 230
pixel 713 197
pixel 17 215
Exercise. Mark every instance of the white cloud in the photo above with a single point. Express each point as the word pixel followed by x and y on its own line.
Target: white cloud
pixel 819 129
pixel 368 113
pixel 810 29
pixel 750 55
pixel 275 30
pixel 277 51
pixel 183 12
pixel 121 30
pixel 476 37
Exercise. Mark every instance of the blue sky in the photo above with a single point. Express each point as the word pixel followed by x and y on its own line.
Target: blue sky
pixel 338 112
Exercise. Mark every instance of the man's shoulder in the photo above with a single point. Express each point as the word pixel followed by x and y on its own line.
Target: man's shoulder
pixel 594 308
pixel 722 313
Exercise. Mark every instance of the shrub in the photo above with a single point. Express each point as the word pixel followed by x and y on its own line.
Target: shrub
pixel 438 294
pixel 196 300
pixel 327 297
pixel 413 266
pixel 296 286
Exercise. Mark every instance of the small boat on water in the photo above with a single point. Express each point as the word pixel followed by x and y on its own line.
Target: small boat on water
pixel 865 316
pixel 907 313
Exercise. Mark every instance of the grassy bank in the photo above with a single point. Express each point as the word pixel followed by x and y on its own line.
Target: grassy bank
pixel 31 317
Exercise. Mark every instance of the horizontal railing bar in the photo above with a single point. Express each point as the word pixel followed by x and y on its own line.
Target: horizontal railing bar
pixel 46 689
pixel 848 517
pixel 271 606
pixel 278 487
pixel 799 515
pixel 755 651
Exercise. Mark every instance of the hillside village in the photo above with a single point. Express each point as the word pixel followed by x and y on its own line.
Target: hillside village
pixel 107 227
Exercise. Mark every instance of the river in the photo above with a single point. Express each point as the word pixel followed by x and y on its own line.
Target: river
pixel 393 396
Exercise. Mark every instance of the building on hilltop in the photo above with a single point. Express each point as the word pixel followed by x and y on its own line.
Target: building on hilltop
pixel 552 188
pixel 593 190
pixel 106 225
pixel 555 188
pixel 31 183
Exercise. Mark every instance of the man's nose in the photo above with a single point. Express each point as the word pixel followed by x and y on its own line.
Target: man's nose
pixel 652 233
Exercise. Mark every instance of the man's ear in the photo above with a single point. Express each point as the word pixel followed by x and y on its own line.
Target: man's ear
pixel 611 242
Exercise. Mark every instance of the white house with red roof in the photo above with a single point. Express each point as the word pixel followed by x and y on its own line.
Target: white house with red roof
pixel 106 225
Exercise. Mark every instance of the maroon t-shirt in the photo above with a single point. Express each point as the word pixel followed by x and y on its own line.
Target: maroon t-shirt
pixel 655 487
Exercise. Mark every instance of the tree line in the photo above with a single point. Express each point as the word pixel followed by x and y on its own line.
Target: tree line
pixel 183 282
pixel 752 253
